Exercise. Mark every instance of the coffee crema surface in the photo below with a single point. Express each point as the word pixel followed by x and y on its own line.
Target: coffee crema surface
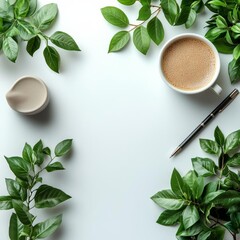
pixel 188 64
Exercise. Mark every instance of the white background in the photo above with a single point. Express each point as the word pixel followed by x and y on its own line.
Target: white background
pixel 123 119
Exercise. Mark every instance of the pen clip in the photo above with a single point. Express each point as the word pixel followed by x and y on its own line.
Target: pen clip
pixel 232 96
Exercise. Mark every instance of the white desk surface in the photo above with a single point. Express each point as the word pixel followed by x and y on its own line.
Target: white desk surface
pixel 124 121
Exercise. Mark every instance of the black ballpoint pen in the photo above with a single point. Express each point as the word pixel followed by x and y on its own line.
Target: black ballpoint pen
pixel 217 110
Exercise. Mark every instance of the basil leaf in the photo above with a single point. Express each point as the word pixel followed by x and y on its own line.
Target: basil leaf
pixel 236 52
pixel 47 151
pixel 22 212
pixel 192 231
pixel 190 179
pixel 204 166
pixel 119 41
pixel 169 217
pixel 204 235
pixel 27 153
pixel 219 137
pixel 44 17
pixel 232 141
pixel 46 228
pixel 234 70
pixel 55 167
pixel 145 2
pixel 26 31
pixel 234 161
pixel 47 196
pixel 168 200
pixel 155 30
pixel 190 216
pixel 191 18
pixel 15 190
pixel 19 167
pixel 52 58
pixel 127 2
pixel 115 16
pixel 63 147
pixel 217 233
pixel 65 41
pixel 141 39
pixel 5 202
pixel 171 10
pixel 21 8
pixel 13 227
pixel 177 184
pixel 211 196
pixel 10 48
pixel 198 187
pixel 32 7
pixel 33 45
pixel 209 146
pixel 144 13
pixel 228 198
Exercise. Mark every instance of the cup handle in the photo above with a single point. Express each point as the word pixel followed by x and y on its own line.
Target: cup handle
pixel 216 88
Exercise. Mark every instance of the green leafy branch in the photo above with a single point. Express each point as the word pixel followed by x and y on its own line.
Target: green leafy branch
pixel 150 27
pixel 21 21
pixel 206 201
pixel 224 25
pixel 27 192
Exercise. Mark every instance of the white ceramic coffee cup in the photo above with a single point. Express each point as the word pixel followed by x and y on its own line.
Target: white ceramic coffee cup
pixel 212 83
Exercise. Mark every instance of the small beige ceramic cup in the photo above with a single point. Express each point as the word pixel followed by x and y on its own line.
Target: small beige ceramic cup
pixel 211 84
pixel 28 95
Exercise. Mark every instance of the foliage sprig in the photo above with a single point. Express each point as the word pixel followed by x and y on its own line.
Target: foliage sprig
pixel 20 20
pixel 205 203
pixel 27 192
pixel 224 25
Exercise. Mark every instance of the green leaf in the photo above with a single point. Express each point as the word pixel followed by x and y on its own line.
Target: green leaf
pixel 19 167
pixel 47 151
pixel 234 161
pixel 32 7
pixel 204 235
pixel 22 212
pixel 21 8
pixel 141 39
pixel 26 31
pixel 198 187
pixel 55 167
pixel 144 13
pixel 155 30
pixel 217 233
pixel 191 18
pixel 119 41
pixel 209 146
pixel 190 216
pixel 183 15
pixel 223 46
pixel 236 28
pixel 192 231
pixel 15 190
pixel 27 153
pixel 171 10
pixel 177 184
pixel 38 152
pixel 46 228
pixel 169 217
pixel 45 16
pixel 47 197
pixel 33 45
pixel 13 227
pixel 52 58
pixel 214 33
pixel 229 38
pixel 234 70
pixel 204 166
pixel 10 48
pixel 219 137
pixel 63 147
pixel 211 196
pixel 217 3
pixel 5 202
pixel 115 16
pixel 127 2
pixel 232 141
pixel 190 179
pixel 145 2
pixel 236 52
pixel 65 41
pixel 221 22
pixel 168 200
pixel 228 198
